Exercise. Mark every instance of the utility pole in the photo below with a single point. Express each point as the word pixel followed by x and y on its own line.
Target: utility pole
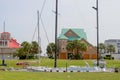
pixel 56 25
pixel 97 21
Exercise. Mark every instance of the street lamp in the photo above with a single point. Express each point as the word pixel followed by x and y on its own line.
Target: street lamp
pixel 97 21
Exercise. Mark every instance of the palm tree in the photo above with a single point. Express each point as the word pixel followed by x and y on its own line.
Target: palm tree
pixel 20 53
pixel 24 51
pixel 69 48
pixel 75 47
pixel 102 47
pixel 50 50
pixel 83 48
pixel 110 49
pixel 34 49
pixel 26 48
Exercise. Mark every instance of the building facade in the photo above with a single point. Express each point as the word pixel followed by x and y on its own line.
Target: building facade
pixel 115 43
pixel 68 35
pixel 8 46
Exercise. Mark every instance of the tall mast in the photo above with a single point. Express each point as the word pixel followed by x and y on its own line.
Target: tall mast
pixel 4 26
pixel 56 25
pixel 3 60
pixel 4 31
pixel 38 37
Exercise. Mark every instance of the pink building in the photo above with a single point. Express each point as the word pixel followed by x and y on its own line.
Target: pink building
pixel 8 45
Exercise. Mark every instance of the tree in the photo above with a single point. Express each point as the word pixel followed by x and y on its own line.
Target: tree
pixel 83 48
pixel 51 50
pixel 34 49
pixel 27 50
pixel 24 50
pixel 110 49
pixel 102 47
pixel 76 46
pixel 20 53
pixel 70 48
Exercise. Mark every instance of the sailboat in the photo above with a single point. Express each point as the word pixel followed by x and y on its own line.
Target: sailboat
pixel 56 25
pixel 56 22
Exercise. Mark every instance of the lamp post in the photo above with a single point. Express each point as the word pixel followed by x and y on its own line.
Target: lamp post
pixel 97 21
pixel 56 22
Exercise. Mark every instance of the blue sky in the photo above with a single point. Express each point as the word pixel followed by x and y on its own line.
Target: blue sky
pixel 21 18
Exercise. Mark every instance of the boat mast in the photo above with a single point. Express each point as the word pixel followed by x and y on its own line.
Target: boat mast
pixel 3 60
pixel 56 25
pixel 4 36
pixel 4 26
pixel 38 38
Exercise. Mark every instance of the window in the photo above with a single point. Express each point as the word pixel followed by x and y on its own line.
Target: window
pixel 0 43
pixel 118 45
pixel 118 51
pixel 3 43
pixel 62 48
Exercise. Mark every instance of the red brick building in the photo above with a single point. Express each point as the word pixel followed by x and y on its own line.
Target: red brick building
pixel 68 35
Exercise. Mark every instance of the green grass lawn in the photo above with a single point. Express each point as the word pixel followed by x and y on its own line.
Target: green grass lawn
pixel 58 76
pixel 14 75
pixel 60 63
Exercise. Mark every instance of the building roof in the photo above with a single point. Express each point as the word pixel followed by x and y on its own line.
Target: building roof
pixel 5 33
pixel 62 37
pixel 13 44
pixel 79 32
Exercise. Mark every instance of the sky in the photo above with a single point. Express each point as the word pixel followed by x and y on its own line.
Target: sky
pixel 20 18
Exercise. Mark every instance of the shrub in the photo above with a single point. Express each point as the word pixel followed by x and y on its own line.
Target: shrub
pixel 108 57
pixel 51 57
pixel 76 56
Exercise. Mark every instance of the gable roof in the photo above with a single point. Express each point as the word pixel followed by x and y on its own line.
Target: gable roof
pixel 79 32
pixel 62 37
